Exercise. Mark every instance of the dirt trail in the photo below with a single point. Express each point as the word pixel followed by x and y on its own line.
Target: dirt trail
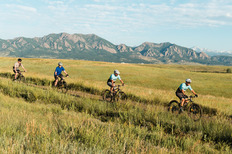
pixel 81 94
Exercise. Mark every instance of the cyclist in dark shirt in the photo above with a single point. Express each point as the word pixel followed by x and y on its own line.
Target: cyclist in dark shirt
pixel 58 72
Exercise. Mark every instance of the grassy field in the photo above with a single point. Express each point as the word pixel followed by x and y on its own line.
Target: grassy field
pixel 34 119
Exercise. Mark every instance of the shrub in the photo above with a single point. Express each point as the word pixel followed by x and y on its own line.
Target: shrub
pixel 228 70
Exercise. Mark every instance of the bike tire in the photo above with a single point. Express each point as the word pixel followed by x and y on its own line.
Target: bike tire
pixel 106 95
pixel 174 107
pixel 13 76
pixel 121 96
pixel 53 83
pixel 195 111
pixel 65 87
pixel 22 78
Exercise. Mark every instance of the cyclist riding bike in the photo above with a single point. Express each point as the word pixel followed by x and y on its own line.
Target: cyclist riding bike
pixel 58 73
pixel 16 68
pixel 112 79
pixel 180 92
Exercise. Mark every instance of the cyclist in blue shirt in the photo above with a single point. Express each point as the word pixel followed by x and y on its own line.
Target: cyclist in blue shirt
pixel 180 92
pixel 58 72
pixel 113 78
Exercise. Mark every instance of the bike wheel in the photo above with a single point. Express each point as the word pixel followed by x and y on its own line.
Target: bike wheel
pixel 65 87
pixel 106 95
pixel 174 107
pixel 53 83
pixel 122 96
pixel 13 77
pixel 195 111
pixel 22 78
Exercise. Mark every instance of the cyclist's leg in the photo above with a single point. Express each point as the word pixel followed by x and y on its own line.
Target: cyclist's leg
pixel 111 86
pixel 180 95
pixel 61 77
pixel 182 102
pixel 17 73
pixel 56 80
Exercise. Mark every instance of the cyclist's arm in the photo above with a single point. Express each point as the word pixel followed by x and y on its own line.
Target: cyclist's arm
pixel 65 72
pixel 23 68
pixel 122 82
pixel 193 92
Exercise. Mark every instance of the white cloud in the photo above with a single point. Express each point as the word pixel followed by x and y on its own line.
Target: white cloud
pixel 22 8
pixel 141 15
pixel 119 17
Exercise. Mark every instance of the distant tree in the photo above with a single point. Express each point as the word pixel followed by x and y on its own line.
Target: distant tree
pixel 228 70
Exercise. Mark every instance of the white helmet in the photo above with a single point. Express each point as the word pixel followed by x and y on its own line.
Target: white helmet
pixel 60 64
pixel 188 80
pixel 116 72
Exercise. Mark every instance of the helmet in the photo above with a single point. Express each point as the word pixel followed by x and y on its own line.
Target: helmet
pixel 19 59
pixel 188 80
pixel 116 72
pixel 60 64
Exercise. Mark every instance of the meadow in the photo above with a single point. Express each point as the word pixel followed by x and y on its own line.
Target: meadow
pixel 37 118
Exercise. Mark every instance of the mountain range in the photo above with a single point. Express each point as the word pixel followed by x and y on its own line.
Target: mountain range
pixel 212 52
pixel 93 47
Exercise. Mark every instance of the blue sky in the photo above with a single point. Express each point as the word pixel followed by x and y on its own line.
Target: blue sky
pixel 207 24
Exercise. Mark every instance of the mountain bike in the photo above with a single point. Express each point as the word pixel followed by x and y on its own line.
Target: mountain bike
pixel 194 110
pixel 61 84
pixel 20 77
pixel 116 95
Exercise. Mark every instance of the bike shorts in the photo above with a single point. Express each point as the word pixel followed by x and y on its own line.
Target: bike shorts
pixel 180 95
pixel 109 83
pixel 58 76
pixel 18 71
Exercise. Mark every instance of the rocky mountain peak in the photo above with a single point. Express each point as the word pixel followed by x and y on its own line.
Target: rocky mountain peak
pixel 93 47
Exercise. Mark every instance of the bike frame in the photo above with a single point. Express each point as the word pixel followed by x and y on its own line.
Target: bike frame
pixel 116 89
pixel 60 79
pixel 188 101
pixel 19 75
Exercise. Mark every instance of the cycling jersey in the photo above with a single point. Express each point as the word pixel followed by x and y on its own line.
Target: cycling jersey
pixel 17 65
pixel 184 87
pixel 114 78
pixel 59 70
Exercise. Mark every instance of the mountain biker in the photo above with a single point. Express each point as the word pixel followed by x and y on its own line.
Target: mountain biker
pixel 58 73
pixel 180 92
pixel 113 78
pixel 16 68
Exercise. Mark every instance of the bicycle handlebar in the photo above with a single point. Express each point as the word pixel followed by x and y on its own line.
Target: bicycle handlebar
pixel 191 96
pixel 118 85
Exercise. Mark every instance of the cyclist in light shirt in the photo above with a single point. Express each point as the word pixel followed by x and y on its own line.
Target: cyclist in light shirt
pixel 180 92
pixel 113 78
pixel 16 68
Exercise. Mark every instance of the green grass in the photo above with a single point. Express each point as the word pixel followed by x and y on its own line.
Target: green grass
pixel 146 83
pixel 163 77
pixel 146 125
pixel 37 120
